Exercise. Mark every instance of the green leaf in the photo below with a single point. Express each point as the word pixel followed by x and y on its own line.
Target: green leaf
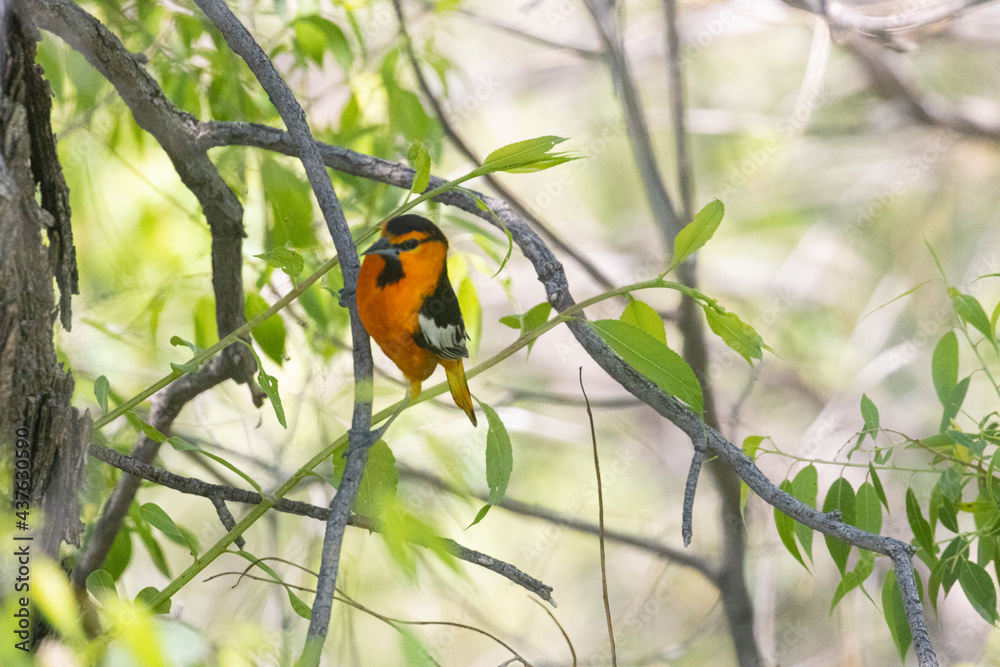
pixel 269 334
pixel 840 497
pixel 944 366
pixel 146 596
pixel 786 527
pixel 854 578
pixel 644 318
pixel 869 412
pixel 149 541
pixel 652 359
pixel 269 384
pixel 736 333
pixel 101 389
pixel 472 312
pixel 877 483
pixel 287 194
pixel 420 159
pixel 147 429
pixel 953 558
pixel 101 585
pixel 119 555
pixel 979 589
pixel 285 259
pixel 922 533
pixel 205 329
pixel 378 483
pixel 159 519
pixel 868 510
pixel 480 515
pixel 182 445
pixel 191 366
pixel 971 312
pixel 525 156
pixel 316 35
pixel 895 615
pixel 954 403
pixel 805 488
pixel 697 233
pixel 499 455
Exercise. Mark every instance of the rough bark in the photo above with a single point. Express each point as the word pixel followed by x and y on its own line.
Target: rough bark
pixel 35 389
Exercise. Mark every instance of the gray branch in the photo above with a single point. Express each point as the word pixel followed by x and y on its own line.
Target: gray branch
pixel 219 493
pixel 361 438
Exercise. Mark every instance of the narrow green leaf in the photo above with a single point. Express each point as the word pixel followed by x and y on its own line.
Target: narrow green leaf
pixel 644 318
pixel 101 585
pixel 652 359
pixel 499 455
pixel 420 159
pixel 269 384
pixel 160 520
pixel 269 334
pixel 979 589
pixel 895 615
pixel 480 515
pixel 971 312
pixel 379 482
pixel 944 366
pixel 869 412
pixel 877 483
pixel 868 510
pixel 805 488
pixel 119 555
pixel 153 547
pixel 736 333
pixel 922 533
pixel 953 558
pixel 854 578
pixel 148 430
pixel 786 527
pixel 697 233
pixel 289 261
pixel 840 497
pixel 954 404
pixel 101 389
pixel 525 156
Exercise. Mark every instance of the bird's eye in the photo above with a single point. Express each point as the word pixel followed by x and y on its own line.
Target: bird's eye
pixel 411 244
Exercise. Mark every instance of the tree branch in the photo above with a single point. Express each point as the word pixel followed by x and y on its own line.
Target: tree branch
pixel 361 438
pixel 218 493
pixel 550 273
pixel 844 15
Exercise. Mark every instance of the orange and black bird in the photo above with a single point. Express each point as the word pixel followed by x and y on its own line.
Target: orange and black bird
pixel 409 308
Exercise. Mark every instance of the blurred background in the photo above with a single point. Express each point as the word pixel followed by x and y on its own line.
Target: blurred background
pixel 840 156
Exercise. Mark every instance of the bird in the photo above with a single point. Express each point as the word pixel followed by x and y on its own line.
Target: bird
pixel 407 305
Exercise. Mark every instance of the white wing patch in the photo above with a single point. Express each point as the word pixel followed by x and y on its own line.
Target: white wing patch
pixel 447 341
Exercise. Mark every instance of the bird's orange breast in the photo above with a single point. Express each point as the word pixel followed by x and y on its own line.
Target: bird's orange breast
pixel 389 313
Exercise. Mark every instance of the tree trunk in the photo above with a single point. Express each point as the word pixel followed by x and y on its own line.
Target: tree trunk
pixel 42 437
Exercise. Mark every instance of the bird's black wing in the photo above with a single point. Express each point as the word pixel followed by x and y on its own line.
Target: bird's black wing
pixel 442 330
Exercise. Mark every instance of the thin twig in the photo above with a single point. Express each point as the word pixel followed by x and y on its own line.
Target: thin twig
pixel 690 486
pixel 572 651
pixel 600 523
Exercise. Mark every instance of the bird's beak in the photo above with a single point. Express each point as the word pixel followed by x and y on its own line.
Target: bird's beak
pixel 381 247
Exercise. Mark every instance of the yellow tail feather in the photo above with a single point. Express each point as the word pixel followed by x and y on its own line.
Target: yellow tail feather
pixel 459 387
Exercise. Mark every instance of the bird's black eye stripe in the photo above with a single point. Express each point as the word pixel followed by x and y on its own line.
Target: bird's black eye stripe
pixel 410 244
